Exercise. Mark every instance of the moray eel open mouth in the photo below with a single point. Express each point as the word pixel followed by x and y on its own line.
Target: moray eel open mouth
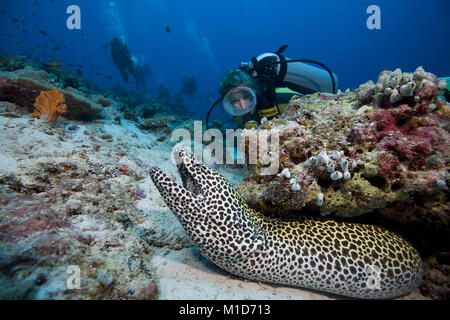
pixel 189 181
pixel 190 171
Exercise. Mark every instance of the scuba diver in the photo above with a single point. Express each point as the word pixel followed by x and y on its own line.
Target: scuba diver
pixel 128 64
pixel 121 57
pixel 188 87
pixel 140 71
pixel 263 87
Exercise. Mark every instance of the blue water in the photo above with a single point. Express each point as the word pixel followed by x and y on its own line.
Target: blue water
pixel 209 37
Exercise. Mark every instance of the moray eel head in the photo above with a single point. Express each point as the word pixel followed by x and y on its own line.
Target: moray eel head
pixel 197 197
pixel 209 208
pixel 193 191
pixel 192 173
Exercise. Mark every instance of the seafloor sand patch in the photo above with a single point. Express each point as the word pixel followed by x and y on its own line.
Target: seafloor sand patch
pixel 185 274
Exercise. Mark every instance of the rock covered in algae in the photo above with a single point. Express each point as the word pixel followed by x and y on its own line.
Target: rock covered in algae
pixel 24 86
pixel 361 151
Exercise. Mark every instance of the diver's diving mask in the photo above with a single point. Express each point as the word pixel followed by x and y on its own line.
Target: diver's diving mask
pixel 239 101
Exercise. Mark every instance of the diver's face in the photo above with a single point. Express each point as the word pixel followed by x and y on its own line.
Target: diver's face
pixel 240 100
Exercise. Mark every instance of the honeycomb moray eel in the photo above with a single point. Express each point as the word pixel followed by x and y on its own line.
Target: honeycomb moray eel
pixel 347 259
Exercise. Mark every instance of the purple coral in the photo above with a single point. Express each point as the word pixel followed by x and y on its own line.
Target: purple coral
pixel 140 194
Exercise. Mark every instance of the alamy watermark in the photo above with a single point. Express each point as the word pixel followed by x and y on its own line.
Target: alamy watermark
pixel 73 22
pixel 259 147
pixel 374 20
pixel 374 279
pixel 74 280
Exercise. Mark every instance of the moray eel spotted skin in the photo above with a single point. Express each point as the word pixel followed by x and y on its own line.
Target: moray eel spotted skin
pixel 347 259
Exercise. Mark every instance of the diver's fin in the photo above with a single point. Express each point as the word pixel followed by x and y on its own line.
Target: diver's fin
pixel 281 49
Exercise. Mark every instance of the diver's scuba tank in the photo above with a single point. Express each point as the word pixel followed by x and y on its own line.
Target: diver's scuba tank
pixel 293 74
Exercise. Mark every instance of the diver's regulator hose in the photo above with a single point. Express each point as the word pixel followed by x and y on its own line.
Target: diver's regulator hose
pixel 210 110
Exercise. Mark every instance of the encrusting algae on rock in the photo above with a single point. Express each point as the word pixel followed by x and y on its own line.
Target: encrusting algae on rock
pixel 379 155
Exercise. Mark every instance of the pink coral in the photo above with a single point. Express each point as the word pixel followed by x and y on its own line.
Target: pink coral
pixel 387 165
pixel 414 146
pixel 27 216
pixel 361 133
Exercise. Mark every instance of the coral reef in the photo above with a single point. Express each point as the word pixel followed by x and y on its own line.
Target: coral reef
pixel 50 103
pixel 380 152
pixel 361 153
pixel 361 158
pixel 13 63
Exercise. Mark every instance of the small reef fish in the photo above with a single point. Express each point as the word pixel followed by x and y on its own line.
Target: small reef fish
pixel 43 32
pixel 7 60
pixel 168 29
pixel 54 63
pixel 313 107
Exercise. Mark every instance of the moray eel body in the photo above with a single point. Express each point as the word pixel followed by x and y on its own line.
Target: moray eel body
pixel 348 259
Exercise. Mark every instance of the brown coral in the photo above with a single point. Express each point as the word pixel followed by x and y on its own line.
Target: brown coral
pixel 50 103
